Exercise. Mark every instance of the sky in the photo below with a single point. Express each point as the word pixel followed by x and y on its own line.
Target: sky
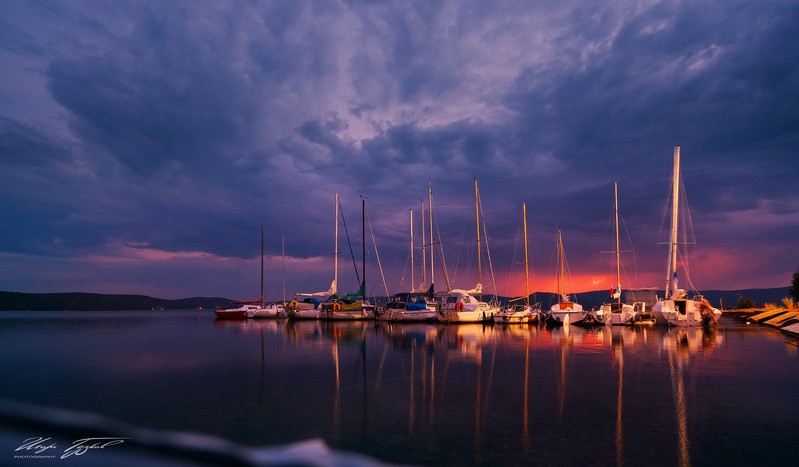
pixel 144 144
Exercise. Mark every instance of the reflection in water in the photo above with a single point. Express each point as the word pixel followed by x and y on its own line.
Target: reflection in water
pixel 422 393
pixel 526 398
pixel 475 352
pixel 678 390
pixel 618 350
pixel 681 344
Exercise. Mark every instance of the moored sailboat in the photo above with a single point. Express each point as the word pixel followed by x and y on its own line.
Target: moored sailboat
pixel 616 313
pixel 309 304
pixel 461 306
pixel 346 307
pixel 239 312
pixel 521 313
pixel 275 309
pixel 413 306
pixel 566 311
pixel 246 308
pixel 675 309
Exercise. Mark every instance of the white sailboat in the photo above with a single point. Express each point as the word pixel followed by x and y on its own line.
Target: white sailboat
pixel 264 310
pixel 566 311
pixel 308 305
pixel 521 312
pixel 416 305
pixel 675 309
pixel 345 307
pixel 617 313
pixel 461 306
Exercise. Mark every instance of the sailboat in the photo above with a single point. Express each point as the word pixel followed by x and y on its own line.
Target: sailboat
pixel 616 312
pixel 345 307
pixel 264 310
pixel 307 305
pixel 675 309
pixel 461 306
pixel 246 308
pixel 566 311
pixel 414 305
pixel 521 313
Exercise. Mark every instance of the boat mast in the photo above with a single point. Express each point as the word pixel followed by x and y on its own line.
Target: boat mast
pixel 335 253
pixel 675 193
pixel 430 215
pixel 526 258
pixel 363 245
pixel 561 267
pixel 262 265
pixel 413 280
pixel 477 224
pixel 283 250
pixel 424 252
pixel 618 253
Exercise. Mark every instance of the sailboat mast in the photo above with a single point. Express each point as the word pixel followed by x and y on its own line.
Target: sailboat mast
pixel 424 251
pixel 283 251
pixel 618 253
pixel 413 279
pixel 675 193
pixel 526 257
pixel 561 266
pixel 477 224
pixel 335 252
pixel 430 215
pixel 363 245
pixel 262 265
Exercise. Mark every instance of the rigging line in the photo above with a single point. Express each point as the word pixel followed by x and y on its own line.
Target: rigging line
pixel 552 265
pixel 404 271
pixel 488 250
pixel 632 248
pixel 346 232
pixel 440 250
pixel 513 262
pixel 460 243
pixel 568 279
pixel 377 254
pixel 687 227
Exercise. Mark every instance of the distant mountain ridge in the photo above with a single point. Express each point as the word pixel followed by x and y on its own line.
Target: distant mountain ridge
pixel 80 301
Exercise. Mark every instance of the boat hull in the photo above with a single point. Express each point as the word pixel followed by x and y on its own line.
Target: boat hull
pixel 411 315
pixel 622 318
pixel 618 314
pixel 271 312
pixel 300 313
pixel 567 316
pixel 345 315
pixel 685 313
pixel 235 313
pixel 231 314
pixel 454 316
pixel 342 313
pixel 525 315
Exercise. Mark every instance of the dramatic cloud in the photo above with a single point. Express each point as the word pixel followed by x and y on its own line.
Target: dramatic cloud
pixel 143 144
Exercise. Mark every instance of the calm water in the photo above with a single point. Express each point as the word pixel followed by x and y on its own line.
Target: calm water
pixel 422 394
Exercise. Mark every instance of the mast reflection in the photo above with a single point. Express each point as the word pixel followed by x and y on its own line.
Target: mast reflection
pixel 682 344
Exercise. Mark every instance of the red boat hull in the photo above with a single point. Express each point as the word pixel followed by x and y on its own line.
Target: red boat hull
pixel 234 314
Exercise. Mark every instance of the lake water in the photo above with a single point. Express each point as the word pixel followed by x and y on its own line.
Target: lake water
pixel 418 394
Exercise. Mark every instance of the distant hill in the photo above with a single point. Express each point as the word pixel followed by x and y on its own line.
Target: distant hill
pixel 79 301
